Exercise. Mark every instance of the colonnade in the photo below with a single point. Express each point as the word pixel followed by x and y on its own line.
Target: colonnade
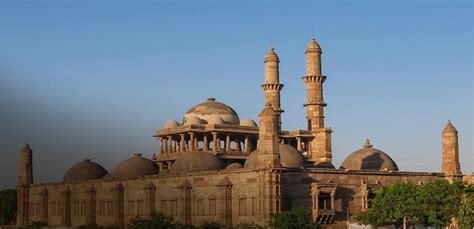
pixel 213 141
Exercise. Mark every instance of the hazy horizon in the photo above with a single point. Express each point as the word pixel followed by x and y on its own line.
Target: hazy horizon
pixel 96 79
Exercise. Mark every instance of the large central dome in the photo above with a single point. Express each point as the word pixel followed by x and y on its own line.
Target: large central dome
pixel 211 112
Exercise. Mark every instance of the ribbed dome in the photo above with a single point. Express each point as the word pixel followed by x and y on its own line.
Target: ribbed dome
pixel 135 167
pixel 248 122
pixel 85 170
pixel 170 124
pixel 289 157
pixel 197 161
pixel 211 108
pixel 369 158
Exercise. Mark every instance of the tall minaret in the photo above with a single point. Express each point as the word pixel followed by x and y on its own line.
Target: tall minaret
pixel 272 86
pixel 25 179
pixel 314 86
pixel 320 147
pixel 451 166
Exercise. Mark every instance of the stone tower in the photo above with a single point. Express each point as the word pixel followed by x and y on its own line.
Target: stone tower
pixel 25 179
pixel 268 148
pixel 320 147
pixel 451 166
pixel 272 86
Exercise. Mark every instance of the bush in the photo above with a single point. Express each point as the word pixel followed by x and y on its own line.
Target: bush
pixel 296 218
pixel 7 207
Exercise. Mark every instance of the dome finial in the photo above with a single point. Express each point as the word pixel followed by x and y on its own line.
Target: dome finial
pixel 367 144
pixel 211 99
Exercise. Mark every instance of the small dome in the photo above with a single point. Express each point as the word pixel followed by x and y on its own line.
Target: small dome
pixel 289 157
pixel 193 120
pixel 85 170
pixel 369 158
pixel 215 119
pixel 170 124
pixel 134 167
pixel 210 108
pixel 197 161
pixel 248 122
pixel 233 166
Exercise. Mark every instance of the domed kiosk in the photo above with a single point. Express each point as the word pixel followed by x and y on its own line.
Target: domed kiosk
pixel 135 167
pixel 369 158
pixel 289 157
pixel 210 110
pixel 85 170
pixel 196 162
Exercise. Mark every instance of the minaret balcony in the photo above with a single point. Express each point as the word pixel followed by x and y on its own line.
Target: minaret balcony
pixel 314 78
pixel 272 86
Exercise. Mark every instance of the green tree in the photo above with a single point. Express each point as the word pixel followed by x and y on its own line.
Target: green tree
pixel 465 215
pixel 441 201
pixel 296 218
pixel 7 206
pixel 400 204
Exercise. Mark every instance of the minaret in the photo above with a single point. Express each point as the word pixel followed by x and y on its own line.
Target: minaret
pixel 320 148
pixel 272 86
pixel 451 166
pixel 25 179
pixel 314 86
pixel 269 156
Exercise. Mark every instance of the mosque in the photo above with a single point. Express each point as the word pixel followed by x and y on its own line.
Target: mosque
pixel 214 166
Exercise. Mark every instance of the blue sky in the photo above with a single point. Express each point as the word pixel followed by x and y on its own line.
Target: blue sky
pixel 95 79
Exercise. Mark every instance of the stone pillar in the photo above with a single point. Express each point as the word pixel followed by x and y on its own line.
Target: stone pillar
pixel 66 220
pixel 165 145
pixel 182 143
pixel 162 151
pixel 91 214
pixel 333 194
pixel 192 144
pixel 171 146
pixel 298 143
pixel 160 165
pixel 246 144
pixel 186 200
pixel 119 205
pixel 168 145
pixel 206 143
pixel 150 189
pixel 450 147
pixel 315 203
pixel 214 142
pixel 225 186
pixel 227 143
pixel 44 205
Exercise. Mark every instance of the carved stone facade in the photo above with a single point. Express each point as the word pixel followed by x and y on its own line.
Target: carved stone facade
pixel 214 167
